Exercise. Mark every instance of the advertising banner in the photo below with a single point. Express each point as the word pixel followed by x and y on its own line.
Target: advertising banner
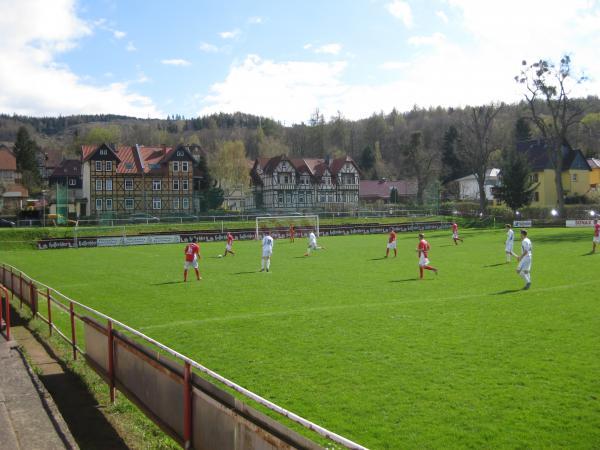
pixel 580 223
pixel 522 224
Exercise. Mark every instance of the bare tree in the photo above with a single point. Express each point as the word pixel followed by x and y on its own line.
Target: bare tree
pixel 477 144
pixel 421 155
pixel 547 92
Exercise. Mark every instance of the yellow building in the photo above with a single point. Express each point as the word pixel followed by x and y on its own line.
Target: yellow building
pixel 594 164
pixel 575 177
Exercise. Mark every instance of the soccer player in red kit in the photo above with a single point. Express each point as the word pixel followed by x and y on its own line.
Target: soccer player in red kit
pixel 422 252
pixel 229 246
pixel 596 238
pixel 292 232
pixel 455 233
pixel 192 254
pixel 391 244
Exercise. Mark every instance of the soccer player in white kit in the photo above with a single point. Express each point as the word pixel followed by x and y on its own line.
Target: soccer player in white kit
pixel 524 267
pixel 267 251
pixel 312 244
pixel 508 246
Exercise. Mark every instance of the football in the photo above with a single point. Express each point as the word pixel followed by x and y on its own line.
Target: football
pixel 219 256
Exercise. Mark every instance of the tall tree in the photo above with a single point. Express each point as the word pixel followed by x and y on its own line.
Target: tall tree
pixel 230 167
pixel 522 130
pixel 517 188
pixel 451 163
pixel 551 109
pixel 25 150
pixel 478 146
pixel 421 156
pixel 367 160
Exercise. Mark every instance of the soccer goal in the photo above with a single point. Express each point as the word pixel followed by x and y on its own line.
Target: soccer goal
pixel 279 226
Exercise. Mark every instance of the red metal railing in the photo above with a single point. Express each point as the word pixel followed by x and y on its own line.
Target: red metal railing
pixel 52 296
pixel 5 301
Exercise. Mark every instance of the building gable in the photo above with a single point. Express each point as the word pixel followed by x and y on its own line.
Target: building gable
pixel 103 152
pixel 180 153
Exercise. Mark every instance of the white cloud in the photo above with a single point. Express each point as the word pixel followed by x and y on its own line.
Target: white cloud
pixel 329 49
pixel 208 48
pixel 442 15
pixel 34 33
pixel 176 62
pixel 307 46
pixel 230 34
pixel 394 65
pixel 286 91
pixel 255 20
pixel 401 10
pixel 130 47
pixel 434 39
pixel 119 34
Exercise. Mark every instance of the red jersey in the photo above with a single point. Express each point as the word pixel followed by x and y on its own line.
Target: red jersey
pixel 292 231
pixel 597 230
pixel 454 228
pixel 392 236
pixel 423 247
pixel 191 251
pixel 229 238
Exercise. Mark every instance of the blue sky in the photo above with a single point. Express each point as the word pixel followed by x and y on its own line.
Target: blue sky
pixel 281 59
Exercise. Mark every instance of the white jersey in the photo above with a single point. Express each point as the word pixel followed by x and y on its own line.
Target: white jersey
pixel 526 247
pixel 267 245
pixel 312 239
pixel 510 237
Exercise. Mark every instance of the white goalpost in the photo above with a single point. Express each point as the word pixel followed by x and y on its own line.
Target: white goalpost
pixel 281 224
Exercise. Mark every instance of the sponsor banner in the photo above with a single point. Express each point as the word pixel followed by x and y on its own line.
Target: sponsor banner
pixel 46 244
pixel 580 223
pixel 522 224
pixel 165 239
pixel 110 241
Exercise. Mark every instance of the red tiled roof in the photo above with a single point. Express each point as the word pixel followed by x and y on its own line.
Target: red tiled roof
pixel 313 166
pixel 378 189
pixel 594 163
pixel 68 167
pixel 16 190
pixel 7 159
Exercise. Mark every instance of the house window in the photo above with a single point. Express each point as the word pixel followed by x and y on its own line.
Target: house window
pixel 175 166
pixel 321 198
pixel 534 178
pixel 98 204
pixel 98 185
pixel 280 198
pixel 98 166
pixel 185 203
pixel 108 166
pixel 128 184
pixel 156 185
pixel 128 203
pixel 184 166
pixel 288 199
pixel 156 203
pixel 108 204
pixel 185 185
pixel 285 179
pixel 176 203
pixel 574 177
pixel 301 198
pixel 103 152
pixel 536 196
pixel 175 185
pixel 72 181
pixel 109 185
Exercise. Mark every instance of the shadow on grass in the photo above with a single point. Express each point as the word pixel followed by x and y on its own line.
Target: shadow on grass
pixel 377 259
pixel 168 282
pixel 246 272
pixel 496 265
pixel 300 257
pixel 507 291
pixel 448 245
pixel 404 280
pixel 588 254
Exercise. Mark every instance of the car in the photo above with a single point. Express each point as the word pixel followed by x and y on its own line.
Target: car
pixel 143 218
pixel 5 223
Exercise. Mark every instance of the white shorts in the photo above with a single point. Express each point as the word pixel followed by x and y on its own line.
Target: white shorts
pixel 596 239
pixel 189 264
pixel 423 261
pixel 267 253
pixel 524 264
pixel 392 245
pixel 313 245
pixel 454 235
pixel 509 247
pixel 228 247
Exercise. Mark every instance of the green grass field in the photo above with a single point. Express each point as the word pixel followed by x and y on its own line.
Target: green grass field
pixel 357 344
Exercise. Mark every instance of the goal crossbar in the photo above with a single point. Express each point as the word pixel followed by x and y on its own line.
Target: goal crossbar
pixel 290 219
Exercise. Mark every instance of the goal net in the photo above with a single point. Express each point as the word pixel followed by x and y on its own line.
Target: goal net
pixel 281 226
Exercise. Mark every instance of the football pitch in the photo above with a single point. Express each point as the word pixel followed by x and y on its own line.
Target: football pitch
pixel 355 343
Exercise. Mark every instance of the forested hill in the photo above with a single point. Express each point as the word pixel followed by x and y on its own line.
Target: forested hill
pixel 380 143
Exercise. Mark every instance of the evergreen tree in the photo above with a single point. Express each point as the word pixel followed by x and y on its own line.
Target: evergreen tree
pixel 522 130
pixel 367 159
pixel 25 150
pixel 517 187
pixel 452 166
